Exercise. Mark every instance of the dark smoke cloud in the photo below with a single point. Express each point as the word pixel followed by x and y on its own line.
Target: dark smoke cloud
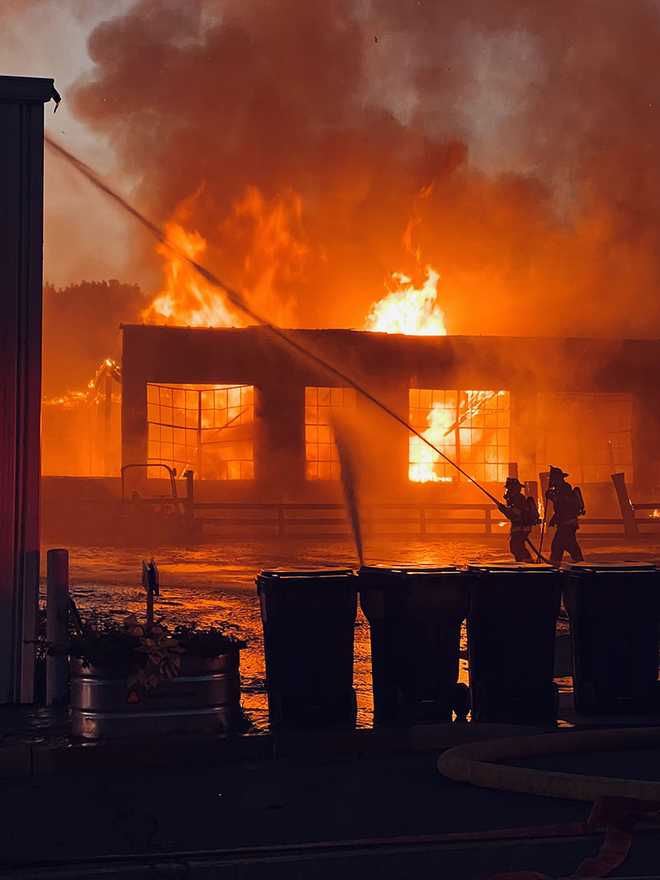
pixel 537 123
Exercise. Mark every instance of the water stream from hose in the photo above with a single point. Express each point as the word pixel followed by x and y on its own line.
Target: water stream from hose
pixel 349 483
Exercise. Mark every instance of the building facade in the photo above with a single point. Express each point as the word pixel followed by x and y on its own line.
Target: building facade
pixel 254 415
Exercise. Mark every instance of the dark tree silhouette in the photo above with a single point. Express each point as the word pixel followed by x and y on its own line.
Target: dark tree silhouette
pixel 81 328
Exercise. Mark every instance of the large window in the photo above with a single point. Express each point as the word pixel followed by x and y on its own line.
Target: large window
pixel 587 434
pixel 470 427
pixel 321 458
pixel 207 428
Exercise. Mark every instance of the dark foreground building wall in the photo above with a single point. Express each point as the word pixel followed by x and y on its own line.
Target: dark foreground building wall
pixel 388 365
pixel 21 235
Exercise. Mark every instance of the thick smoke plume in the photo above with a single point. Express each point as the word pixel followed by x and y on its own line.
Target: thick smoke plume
pixel 300 136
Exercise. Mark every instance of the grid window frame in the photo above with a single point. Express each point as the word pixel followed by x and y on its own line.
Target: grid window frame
pixel 477 426
pixel 185 426
pixel 321 456
pixel 601 432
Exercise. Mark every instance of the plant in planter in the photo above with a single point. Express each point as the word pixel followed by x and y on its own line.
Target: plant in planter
pixel 140 676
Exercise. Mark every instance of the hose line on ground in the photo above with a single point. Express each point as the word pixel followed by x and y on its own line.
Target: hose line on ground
pixel 477 764
pixel 539 556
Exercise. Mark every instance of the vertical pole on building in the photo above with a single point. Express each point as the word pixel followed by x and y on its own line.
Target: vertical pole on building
pixel 457 433
pixel 90 438
pixel 57 617
pixel 513 469
pixel 610 451
pixel 107 422
pixel 199 433
pixel 21 294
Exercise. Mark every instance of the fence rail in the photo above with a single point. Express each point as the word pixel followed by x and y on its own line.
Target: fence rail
pixel 424 520
pixel 385 519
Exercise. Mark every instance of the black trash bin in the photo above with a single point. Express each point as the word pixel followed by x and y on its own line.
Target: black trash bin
pixel 511 642
pixel 614 612
pixel 308 621
pixel 415 616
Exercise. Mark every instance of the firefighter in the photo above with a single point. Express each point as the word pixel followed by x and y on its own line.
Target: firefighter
pixel 523 514
pixel 568 506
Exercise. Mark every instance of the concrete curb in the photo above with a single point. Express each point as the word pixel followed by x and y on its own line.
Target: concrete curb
pixel 452 859
pixel 43 758
pixel 36 759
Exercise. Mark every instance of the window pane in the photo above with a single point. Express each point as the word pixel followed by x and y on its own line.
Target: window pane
pixel 227 450
pixel 477 419
pixel 320 451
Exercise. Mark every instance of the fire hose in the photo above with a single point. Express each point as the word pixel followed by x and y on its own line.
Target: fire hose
pixel 539 555
pixel 619 804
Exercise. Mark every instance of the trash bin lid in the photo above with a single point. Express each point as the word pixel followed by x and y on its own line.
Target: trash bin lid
pixel 275 574
pixel 608 567
pixel 401 570
pixel 511 568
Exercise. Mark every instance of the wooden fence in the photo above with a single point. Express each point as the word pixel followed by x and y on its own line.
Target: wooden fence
pixel 383 520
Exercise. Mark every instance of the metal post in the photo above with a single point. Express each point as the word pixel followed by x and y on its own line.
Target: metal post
pixel 190 489
pixel 57 615
pixel 513 469
pixel 612 457
pixel 630 528
pixel 189 503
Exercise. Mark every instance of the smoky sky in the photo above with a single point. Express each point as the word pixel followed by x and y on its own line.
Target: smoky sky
pixel 520 139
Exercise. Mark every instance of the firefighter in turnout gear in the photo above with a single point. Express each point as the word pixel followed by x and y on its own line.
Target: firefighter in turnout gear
pixel 523 514
pixel 568 506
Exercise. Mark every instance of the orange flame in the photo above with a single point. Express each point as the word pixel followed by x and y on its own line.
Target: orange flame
pixel 423 459
pixel 267 236
pixel 409 309
pixel 271 237
pixel 186 297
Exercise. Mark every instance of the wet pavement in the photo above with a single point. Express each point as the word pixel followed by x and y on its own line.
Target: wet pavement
pixel 362 804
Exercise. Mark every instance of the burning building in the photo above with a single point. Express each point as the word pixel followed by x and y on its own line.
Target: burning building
pixel 253 419
pixel 250 411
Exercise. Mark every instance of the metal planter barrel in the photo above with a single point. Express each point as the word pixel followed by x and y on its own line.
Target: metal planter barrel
pixel 511 642
pixel 203 698
pixel 308 621
pixel 415 617
pixel 614 612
